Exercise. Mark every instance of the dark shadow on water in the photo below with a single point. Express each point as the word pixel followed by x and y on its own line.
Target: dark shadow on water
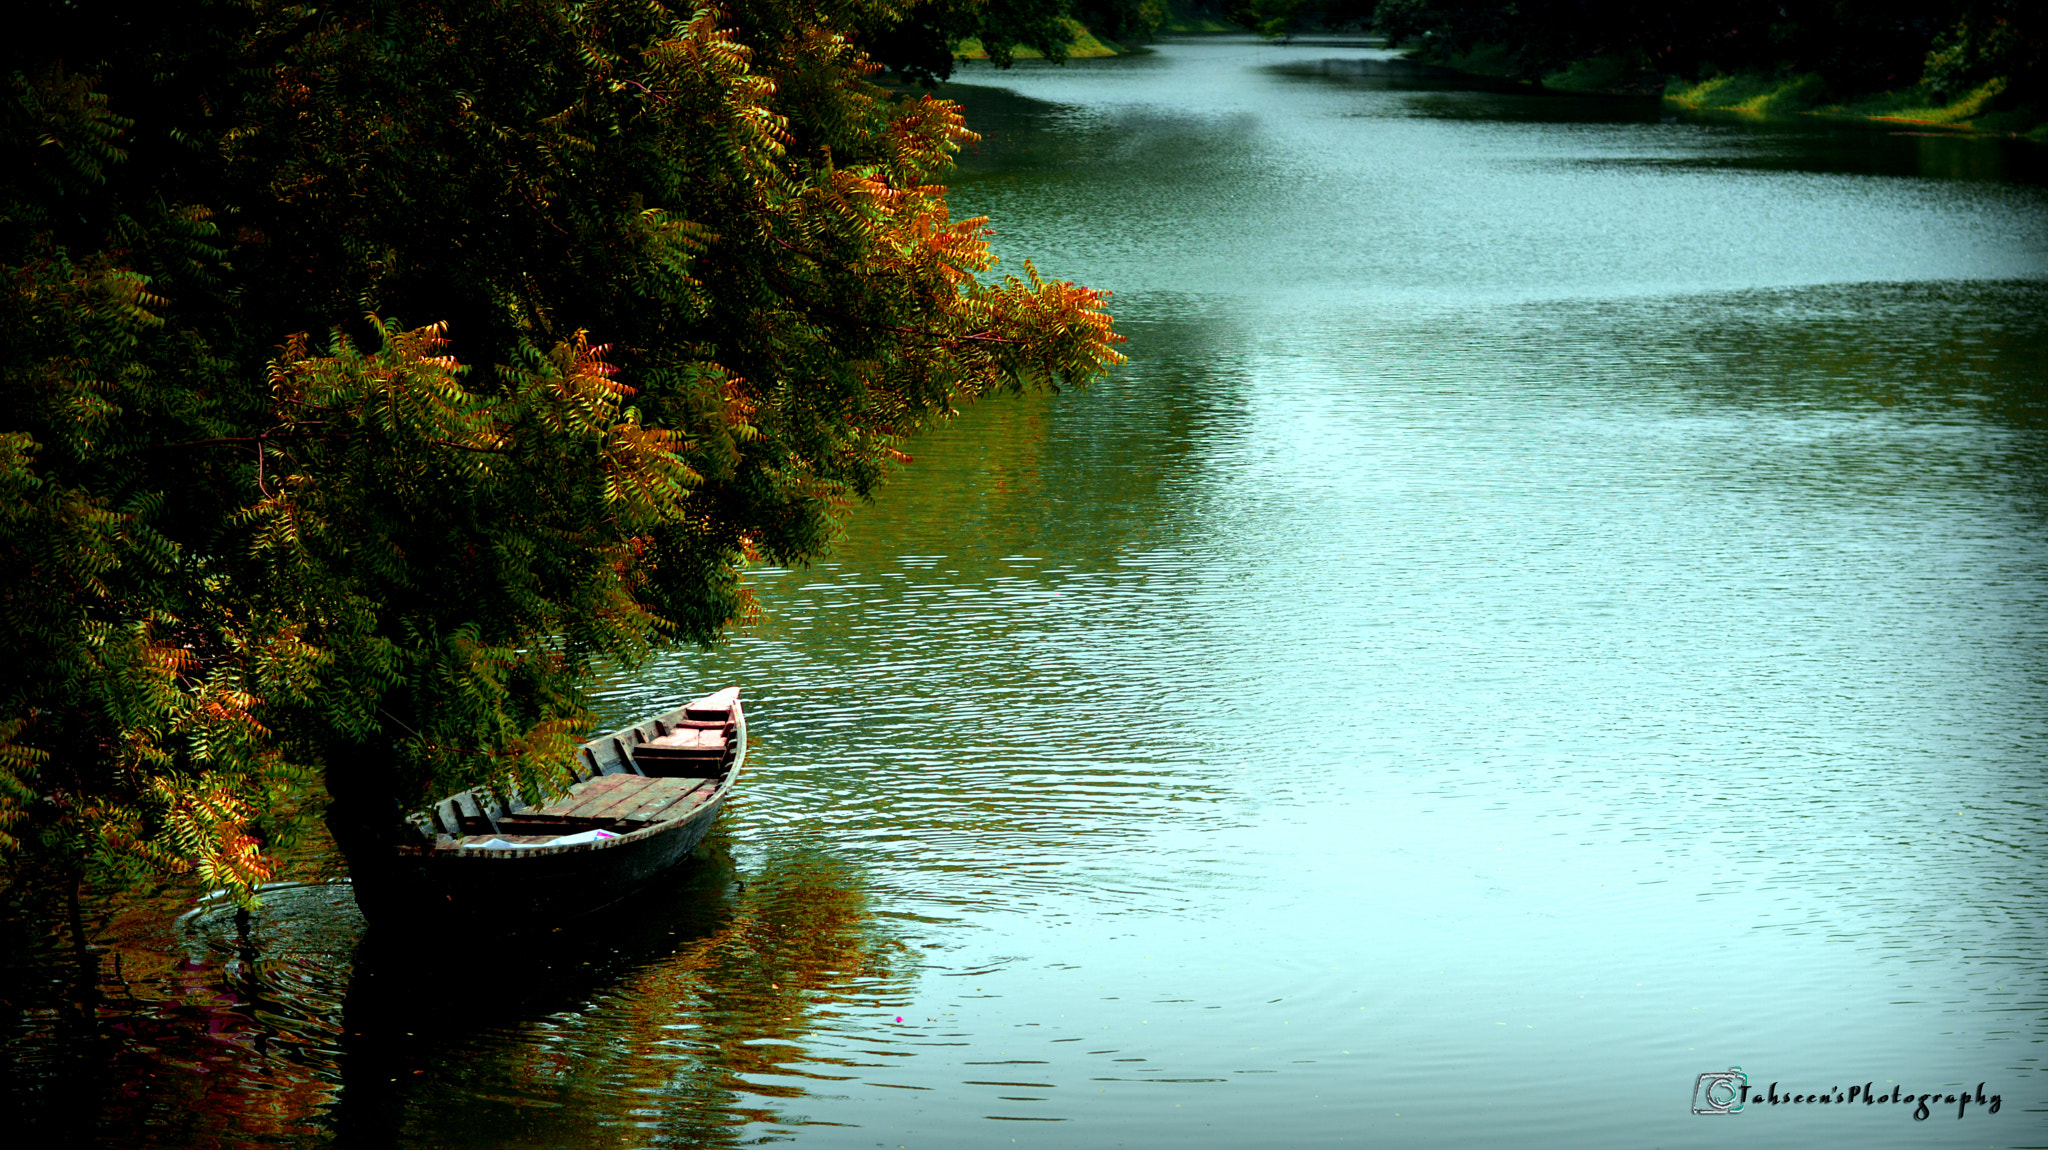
pixel 295 1026
pixel 1017 132
pixel 657 1023
pixel 1862 149
pixel 421 1001
pixel 1503 98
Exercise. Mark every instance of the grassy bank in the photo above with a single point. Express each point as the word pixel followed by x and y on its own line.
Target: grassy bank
pixel 1176 16
pixel 1750 94
pixel 1083 45
pixel 1806 95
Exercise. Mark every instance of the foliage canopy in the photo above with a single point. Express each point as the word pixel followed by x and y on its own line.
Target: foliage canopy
pixel 686 280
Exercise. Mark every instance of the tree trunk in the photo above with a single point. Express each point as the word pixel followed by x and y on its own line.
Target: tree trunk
pixel 370 828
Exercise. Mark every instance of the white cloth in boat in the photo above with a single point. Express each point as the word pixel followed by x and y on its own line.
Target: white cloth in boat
pixel 564 841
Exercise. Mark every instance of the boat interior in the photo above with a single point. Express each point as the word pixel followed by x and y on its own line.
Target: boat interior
pixel 658 770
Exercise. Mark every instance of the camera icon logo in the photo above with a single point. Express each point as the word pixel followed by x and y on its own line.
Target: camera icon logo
pixel 1719 1091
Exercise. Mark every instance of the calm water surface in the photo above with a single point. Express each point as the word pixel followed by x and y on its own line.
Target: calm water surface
pixel 1557 604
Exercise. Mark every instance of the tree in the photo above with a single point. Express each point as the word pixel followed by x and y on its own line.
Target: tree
pixel 1285 17
pixel 917 40
pixel 1857 49
pixel 687 279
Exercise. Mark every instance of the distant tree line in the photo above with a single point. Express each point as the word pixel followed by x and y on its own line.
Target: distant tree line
pixel 1856 47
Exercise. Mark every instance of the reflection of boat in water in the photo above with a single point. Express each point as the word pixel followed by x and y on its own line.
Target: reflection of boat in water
pixel 644 797
pixel 677 1013
pixel 667 1013
pixel 325 1019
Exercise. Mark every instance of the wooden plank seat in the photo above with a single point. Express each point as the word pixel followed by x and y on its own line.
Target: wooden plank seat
pixel 618 803
pixel 706 744
pixel 631 797
pixel 543 823
pixel 662 728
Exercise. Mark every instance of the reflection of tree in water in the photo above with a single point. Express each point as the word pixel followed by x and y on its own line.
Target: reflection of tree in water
pixel 681 1017
pixel 663 1018
pixel 801 957
pixel 139 1040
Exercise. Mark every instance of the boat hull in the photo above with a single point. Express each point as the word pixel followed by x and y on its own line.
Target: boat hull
pixel 458 884
pixel 520 891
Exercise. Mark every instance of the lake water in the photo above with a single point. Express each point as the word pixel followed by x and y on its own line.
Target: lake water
pixel 1557 604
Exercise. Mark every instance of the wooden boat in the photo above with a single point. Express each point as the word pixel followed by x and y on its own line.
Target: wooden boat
pixel 643 798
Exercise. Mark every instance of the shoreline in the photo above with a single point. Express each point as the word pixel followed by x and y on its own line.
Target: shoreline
pixel 1082 45
pixel 1781 98
pixel 1760 97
